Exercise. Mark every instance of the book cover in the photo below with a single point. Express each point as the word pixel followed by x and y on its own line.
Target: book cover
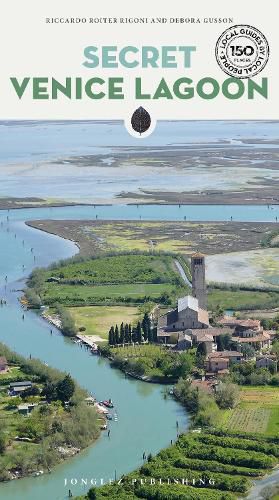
pixel 139 291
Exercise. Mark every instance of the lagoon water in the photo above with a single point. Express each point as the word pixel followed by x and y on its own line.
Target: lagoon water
pixel 32 141
pixel 98 161
pixel 146 421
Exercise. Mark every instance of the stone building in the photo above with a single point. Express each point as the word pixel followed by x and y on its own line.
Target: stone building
pixel 198 279
pixel 267 361
pixel 186 316
pixel 248 331
pixel 219 362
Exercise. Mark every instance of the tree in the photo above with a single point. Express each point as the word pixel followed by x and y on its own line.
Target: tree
pixel 275 348
pixel 139 333
pixel 33 298
pixel 126 333
pixel 227 395
pixel 92 494
pixel 247 350
pixel 32 391
pixel 116 334
pixel 130 333
pixel 154 334
pixel 223 342
pixel 50 391
pixel 121 334
pixel 201 355
pixel 2 443
pixel 111 336
pixel 201 349
pixel 68 326
pixel 65 388
pixel 165 298
pixel 146 326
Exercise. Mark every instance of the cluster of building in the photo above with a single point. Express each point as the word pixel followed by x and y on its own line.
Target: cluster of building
pixel 188 324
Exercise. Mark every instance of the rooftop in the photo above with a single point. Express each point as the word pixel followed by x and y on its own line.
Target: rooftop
pixel 203 316
pixel 211 331
pixel 188 302
pixel 245 323
pixel 218 358
pixel 225 354
pixel 21 384
pixel 205 338
pixel 264 336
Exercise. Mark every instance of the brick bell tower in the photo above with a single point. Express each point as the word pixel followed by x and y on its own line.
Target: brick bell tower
pixel 198 279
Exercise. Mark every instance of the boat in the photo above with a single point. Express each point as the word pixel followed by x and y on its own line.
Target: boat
pixel 108 404
pixel 109 416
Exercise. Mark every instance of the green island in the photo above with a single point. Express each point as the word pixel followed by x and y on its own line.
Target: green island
pixel 128 306
pixel 44 415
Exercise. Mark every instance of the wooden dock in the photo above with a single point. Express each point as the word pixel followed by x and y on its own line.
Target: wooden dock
pixel 87 340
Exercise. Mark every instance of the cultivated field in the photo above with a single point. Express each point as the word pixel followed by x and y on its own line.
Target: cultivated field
pixel 258 411
pixel 114 279
pixel 109 294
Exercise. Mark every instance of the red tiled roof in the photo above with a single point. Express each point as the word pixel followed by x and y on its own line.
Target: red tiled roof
pixel 211 331
pixel 258 338
pixel 226 354
pixel 246 323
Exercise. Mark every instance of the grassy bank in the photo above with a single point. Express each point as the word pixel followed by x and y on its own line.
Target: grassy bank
pixel 151 362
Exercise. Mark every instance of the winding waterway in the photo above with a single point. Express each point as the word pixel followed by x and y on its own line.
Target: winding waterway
pixel 146 421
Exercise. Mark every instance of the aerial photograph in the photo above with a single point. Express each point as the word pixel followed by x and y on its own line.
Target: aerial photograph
pixel 139 311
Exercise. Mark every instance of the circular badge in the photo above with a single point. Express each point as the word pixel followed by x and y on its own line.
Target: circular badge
pixel 242 51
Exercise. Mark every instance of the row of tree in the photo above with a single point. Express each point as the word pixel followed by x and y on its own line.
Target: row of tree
pixel 126 334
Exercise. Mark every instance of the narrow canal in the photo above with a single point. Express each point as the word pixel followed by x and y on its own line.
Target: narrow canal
pixel 145 420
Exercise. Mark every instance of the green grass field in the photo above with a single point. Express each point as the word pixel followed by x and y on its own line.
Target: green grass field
pixel 242 299
pixel 98 319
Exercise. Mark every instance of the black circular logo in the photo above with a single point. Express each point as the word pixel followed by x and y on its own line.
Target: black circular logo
pixel 242 51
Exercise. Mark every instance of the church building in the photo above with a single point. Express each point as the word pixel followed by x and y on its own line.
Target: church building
pixel 190 313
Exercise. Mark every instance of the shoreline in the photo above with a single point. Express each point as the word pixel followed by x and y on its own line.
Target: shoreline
pixel 96 236
pixel 149 198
